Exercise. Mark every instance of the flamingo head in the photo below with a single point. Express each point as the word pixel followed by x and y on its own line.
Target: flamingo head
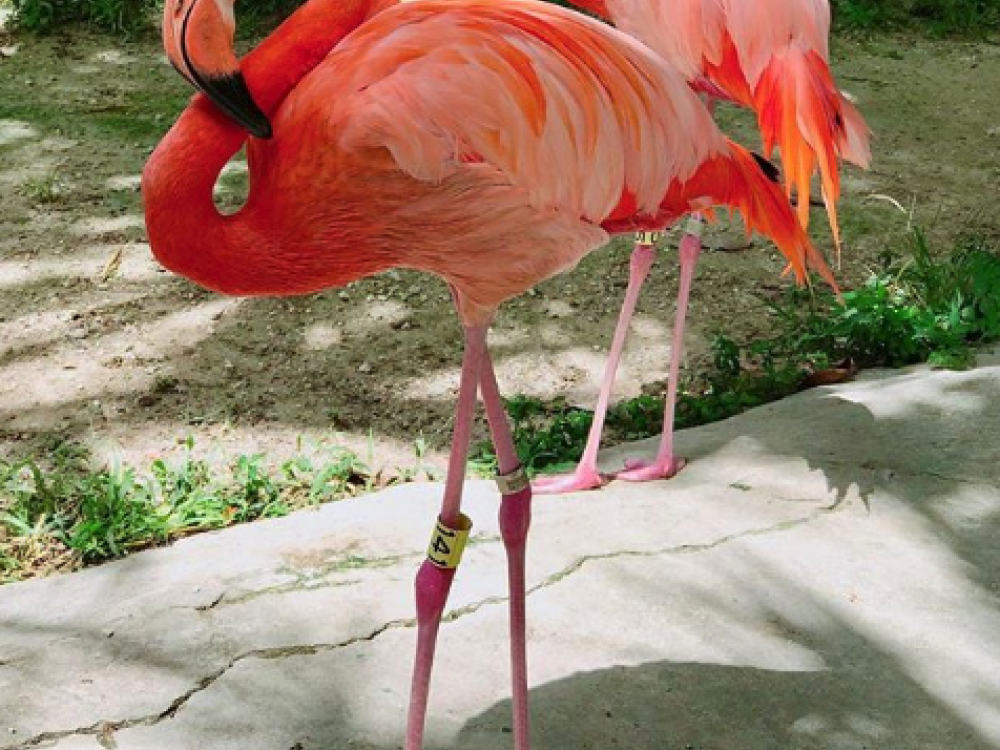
pixel 198 38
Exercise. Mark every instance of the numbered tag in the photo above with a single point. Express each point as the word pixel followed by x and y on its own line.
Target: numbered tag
pixel 447 544
pixel 648 238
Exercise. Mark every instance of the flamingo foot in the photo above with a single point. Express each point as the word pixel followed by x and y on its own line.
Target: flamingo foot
pixel 584 478
pixel 645 471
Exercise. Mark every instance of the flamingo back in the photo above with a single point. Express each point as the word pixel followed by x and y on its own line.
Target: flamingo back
pixel 685 32
pixel 760 28
pixel 546 96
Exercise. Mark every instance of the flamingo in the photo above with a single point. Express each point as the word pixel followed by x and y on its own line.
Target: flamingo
pixel 492 143
pixel 771 56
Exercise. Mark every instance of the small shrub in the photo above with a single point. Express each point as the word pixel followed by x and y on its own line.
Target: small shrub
pixel 65 513
pixel 117 16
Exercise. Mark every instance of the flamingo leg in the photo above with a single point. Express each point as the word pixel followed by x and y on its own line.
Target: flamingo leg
pixel 433 581
pixel 665 465
pixel 586 476
pixel 515 518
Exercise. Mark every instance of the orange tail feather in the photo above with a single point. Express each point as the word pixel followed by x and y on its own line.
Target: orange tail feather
pixel 800 110
pixel 742 181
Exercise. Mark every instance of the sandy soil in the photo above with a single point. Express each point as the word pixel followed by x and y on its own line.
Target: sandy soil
pixel 131 360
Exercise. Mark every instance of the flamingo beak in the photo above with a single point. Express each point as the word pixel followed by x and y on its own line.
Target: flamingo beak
pixel 198 38
pixel 230 94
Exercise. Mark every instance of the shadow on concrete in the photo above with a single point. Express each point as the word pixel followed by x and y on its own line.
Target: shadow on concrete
pixel 671 706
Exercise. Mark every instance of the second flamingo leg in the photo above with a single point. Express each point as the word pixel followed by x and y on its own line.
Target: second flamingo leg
pixel 586 476
pixel 515 519
pixel 666 464
pixel 435 576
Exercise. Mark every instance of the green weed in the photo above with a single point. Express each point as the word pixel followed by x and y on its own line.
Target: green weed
pixel 62 513
pixel 917 309
pixel 43 190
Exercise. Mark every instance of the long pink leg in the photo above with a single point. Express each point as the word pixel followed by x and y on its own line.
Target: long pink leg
pixel 665 465
pixel 515 518
pixel 586 475
pixel 434 582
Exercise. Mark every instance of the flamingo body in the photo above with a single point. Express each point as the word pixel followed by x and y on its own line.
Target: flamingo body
pixel 484 142
pixel 492 143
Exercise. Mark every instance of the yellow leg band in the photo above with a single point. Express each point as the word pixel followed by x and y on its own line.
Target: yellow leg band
pixel 648 238
pixel 447 544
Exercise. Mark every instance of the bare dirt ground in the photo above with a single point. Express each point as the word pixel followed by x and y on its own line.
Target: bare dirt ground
pixel 99 345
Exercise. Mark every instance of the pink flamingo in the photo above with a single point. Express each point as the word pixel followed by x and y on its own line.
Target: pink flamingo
pixel 492 143
pixel 771 56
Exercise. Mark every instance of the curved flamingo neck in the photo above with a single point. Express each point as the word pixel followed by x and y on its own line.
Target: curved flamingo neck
pixel 299 44
pixel 235 254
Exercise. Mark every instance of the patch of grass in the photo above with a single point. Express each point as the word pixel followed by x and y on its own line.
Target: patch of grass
pixel 866 15
pixel 129 17
pixel 64 513
pixel 118 16
pixel 976 18
pixel 44 190
pixel 918 307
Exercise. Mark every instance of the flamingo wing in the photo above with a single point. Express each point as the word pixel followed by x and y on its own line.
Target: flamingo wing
pixel 771 56
pixel 685 32
pixel 758 29
pixel 547 97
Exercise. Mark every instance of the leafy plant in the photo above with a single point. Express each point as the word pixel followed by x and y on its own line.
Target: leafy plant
pixel 117 16
pixel 63 513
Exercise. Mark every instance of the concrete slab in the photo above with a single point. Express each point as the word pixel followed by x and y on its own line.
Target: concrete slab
pixel 825 574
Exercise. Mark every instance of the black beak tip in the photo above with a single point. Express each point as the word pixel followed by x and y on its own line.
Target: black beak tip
pixel 231 95
pixel 260 129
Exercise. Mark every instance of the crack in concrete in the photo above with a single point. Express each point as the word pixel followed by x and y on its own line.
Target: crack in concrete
pixel 316 580
pixel 103 730
pixel 313 580
pixel 684 549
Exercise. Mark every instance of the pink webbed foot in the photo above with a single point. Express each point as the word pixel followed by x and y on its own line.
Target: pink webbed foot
pixel 645 471
pixel 559 484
